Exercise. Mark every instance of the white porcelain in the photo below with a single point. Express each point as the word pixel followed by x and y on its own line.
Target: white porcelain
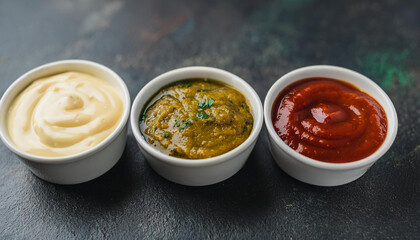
pixel 316 172
pixel 83 166
pixel 197 172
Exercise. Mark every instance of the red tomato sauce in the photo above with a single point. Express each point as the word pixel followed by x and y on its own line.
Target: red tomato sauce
pixel 329 120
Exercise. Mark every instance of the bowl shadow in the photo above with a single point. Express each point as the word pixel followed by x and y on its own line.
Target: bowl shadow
pixel 101 193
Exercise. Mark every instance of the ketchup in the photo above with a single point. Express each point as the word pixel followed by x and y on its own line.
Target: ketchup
pixel 329 120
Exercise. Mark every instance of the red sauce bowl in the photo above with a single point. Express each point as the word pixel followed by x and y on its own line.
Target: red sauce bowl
pixel 332 171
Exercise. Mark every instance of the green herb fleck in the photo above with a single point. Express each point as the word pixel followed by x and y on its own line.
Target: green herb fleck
pixel 210 121
pixel 201 104
pixel 230 101
pixel 166 135
pixel 185 83
pixel 195 119
pixel 187 123
pixel 206 103
pixel 202 115
pixel 210 102
pixel 203 90
pixel 143 117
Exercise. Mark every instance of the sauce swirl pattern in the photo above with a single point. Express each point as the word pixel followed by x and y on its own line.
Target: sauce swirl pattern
pixel 329 120
pixel 64 114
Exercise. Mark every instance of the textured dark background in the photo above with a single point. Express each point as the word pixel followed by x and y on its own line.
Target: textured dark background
pixel 257 40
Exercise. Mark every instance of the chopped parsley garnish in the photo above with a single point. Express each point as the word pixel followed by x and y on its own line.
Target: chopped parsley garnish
pixel 201 104
pixel 184 123
pixel 202 115
pixel 143 117
pixel 210 121
pixel 210 102
pixel 166 135
pixel 186 83
pixel 206 103
pixel 203 90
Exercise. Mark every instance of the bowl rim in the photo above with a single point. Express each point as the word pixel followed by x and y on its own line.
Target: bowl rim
pixel 159 81
pixel 56 64
pixel 392 119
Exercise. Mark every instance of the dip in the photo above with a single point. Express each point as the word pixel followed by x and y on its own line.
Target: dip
pixel 329 120
pixel 196 118
pixel 64 114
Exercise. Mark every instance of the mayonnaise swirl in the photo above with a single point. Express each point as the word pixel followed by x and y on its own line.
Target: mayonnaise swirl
pixel 64 114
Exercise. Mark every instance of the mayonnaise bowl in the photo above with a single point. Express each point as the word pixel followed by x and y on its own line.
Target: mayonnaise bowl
pixel 79 166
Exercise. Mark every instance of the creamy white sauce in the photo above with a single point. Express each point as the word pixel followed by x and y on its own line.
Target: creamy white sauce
pixel 64 114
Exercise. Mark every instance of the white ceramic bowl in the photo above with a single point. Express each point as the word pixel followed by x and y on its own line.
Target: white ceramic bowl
pixel 197 172
pixel 83 166
pixel 316 172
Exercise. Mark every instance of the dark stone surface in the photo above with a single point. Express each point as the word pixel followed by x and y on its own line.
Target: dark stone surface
pixel 258 41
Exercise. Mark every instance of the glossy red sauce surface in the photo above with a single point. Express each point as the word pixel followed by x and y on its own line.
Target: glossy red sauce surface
pixel 329 120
